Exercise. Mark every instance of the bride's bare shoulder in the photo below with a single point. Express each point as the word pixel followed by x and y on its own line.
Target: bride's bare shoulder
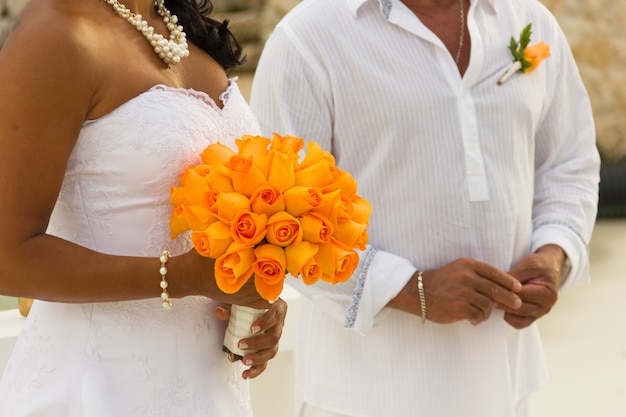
pixel 50 57
pixel 54 30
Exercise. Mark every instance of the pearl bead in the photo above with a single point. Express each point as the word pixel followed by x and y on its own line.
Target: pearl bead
pixel 165 296
pixel 169 50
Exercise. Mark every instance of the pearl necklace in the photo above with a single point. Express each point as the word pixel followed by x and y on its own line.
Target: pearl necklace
pixel 170 51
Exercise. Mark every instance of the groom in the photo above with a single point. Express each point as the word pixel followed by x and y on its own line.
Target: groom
pixel 484 198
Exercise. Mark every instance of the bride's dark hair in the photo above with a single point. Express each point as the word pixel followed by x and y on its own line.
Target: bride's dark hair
pixel 209 34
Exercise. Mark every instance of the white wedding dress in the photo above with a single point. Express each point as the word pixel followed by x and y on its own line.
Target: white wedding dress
pixel 131 359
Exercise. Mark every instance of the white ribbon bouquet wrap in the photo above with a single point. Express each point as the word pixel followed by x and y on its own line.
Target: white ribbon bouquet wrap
pixel 241 318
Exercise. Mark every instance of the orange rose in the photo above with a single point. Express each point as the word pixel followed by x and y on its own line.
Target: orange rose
pixel 534 54
pixel 315 153
pixel 329 206
pixel 269 271
pixel 248 227
pixel 351 234
pixel 178 224
pixel 192 190
pixel 214 241
pixel 234 268
pixel 220 182
pixel 351 210
pixel 315 228
pixel 177 196
pixel 362 241
pixel 197 217
pixel 338 262
pixel 267 199
pixel 287 143
pixel 361 210
pixel 245 175
pixel 301 262
pixel 254 146
pixel 230 203
pixel 198 170
pixel 280 169
pixel 283 230
pixel 299 200
pixel 215 155
pixel 210 201
pixel 343 181
pixel 344 209
pixel 315 168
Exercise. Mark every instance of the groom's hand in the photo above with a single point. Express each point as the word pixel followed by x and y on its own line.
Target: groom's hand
pixel 465 289
pixel 540 275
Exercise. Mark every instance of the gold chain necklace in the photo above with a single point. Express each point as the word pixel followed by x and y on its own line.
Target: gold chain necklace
pixel 457 58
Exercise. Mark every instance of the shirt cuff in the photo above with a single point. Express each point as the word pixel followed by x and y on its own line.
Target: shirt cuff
pixel 576 268
pixel 381 277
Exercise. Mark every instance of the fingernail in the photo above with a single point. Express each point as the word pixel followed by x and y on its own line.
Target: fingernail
pixel 222 309
pixel 248 362
pixel 256 329
pixel 243 345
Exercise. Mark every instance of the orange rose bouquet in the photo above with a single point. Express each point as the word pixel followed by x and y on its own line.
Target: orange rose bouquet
pixel 263 213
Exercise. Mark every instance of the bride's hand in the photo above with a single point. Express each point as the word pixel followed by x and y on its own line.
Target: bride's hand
pixel 198 278
pixel 264 343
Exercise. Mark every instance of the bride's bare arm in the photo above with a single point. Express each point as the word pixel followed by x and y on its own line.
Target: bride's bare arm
pixel 42 108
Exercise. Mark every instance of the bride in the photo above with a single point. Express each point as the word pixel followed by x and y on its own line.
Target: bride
pixel 102 107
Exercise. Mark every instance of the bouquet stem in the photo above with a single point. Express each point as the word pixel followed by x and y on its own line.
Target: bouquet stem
pixel 241 319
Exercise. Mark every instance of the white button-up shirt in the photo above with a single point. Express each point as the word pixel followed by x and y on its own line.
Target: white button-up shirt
pixel 454 167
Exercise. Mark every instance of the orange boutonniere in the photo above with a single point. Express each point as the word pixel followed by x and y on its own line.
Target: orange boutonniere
pixel 525 58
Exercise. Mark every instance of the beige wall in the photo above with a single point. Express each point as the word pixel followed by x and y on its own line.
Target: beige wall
pixel 595 28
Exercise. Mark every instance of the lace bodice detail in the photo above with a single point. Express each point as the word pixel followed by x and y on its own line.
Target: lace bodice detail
pixel 119 176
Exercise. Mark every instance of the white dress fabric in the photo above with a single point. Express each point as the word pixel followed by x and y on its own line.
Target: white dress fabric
pixel 123 359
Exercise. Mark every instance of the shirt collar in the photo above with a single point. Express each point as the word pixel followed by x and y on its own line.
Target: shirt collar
pixel 386 5
pixel 355 5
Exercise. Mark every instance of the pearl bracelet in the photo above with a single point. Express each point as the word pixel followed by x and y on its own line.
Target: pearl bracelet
pixel 420 288
pixel 165 296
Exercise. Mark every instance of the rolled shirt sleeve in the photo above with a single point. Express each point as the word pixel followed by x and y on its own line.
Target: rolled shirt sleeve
pixel 567 170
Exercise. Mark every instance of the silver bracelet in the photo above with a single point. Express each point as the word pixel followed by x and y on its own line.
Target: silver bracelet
pixel 420 288
pixel 165 296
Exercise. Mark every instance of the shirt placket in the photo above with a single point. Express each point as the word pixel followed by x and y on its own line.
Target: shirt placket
pixel 475 173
